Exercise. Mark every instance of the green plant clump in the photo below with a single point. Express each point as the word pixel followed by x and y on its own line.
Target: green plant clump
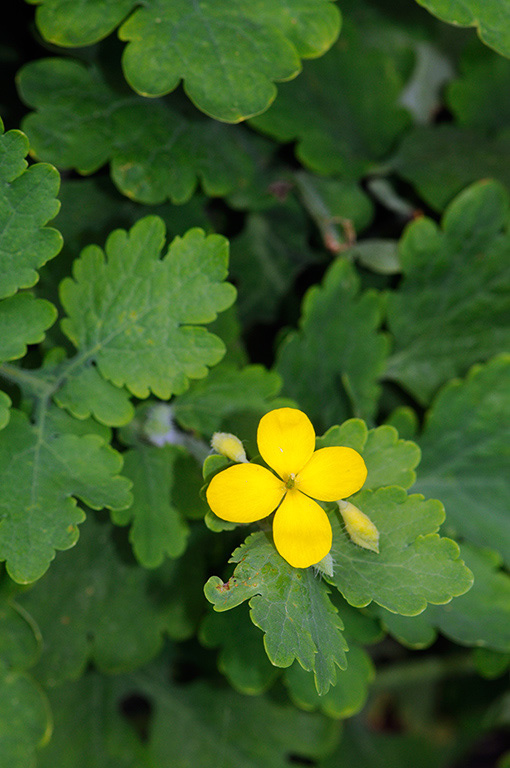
pixel 210 212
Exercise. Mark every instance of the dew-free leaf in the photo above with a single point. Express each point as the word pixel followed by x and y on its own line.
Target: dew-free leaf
pixel 342 126
pixel 156 151
pixel 27 203
pixel 42 473
pixel 413 567
pixel 139 317
pixel 330 366
pixel 289 605
pixel 453 306
pixel 228 57
pixel 466 453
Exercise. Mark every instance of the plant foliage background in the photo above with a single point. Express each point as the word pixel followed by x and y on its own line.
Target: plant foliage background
pixel 207 211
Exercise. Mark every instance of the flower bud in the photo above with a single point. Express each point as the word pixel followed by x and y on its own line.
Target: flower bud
pixel 359 527
pixel 228 445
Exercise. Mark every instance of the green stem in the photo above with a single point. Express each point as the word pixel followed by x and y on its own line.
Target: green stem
pixel 322 216
pixel 28 380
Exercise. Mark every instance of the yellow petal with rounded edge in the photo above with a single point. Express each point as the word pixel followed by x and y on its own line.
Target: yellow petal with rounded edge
pixel 286 440
pixel 332 473
pixel 301 530
pixel 244 493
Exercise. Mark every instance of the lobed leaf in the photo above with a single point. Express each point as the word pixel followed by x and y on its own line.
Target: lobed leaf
pixel 85 393
pixel 158 529
pixel 227 57
pixel 139 317
pixel 479 618
pixel 83 121
pixel 290 605
pixel 228 729
pixel 341 126
pixel 331 365
pixel 452 307
pixel 27 203
pixel 42 473
pixel 490 17
pixel 241 657
pixel 23 320
pixel 84 608
pixel 471 156
pixel 225 391
pixel 414 565
pixel 465 448
pixel 5 409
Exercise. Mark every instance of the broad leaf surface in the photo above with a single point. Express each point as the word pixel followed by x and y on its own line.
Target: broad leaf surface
pixel 414 565
pixel 490 17
pixel 158 529
pixel 330 366
pixel 225 391
pixel 389 459
pixel 466 452
pixel 241 658
pixel 341 126
pixel 228 730
pixel 471 156
pixel 475 97
pixel 290 605
pixel 452 307
pixel 345 698
pixel 89 729
pixel 479 618
pixel 84 607
pixel 42 473
pixel 23 320
pixel 85 393
pixel 27 203
pixel 227 57
pixel 24 714
pixel 139 317
pixel 83 121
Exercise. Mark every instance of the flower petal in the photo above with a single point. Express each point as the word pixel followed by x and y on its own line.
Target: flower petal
pixel 244 493
pixel 286 440
pixel 301 530
pixel 332 473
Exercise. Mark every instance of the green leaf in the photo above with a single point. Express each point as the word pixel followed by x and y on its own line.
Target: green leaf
pixel 471 156
pixel 490 664
pixel 290 605
pixel 341 126
pixel 136 316
pixel 89 729
pixel 85 608
pixel 83 122
pixel 41 471
pixel 85 393
pixel 490 17
pixel 465 447
pixel 389 460
pixel 158 529
pixel 345 698
pixel 475 97
pixel 479 618
pixel 5 413
pixel 452 307
pixel 228 57
pixel 331 365
pixel 379 255
pixel 241 658
pixel 225 390
pixel 414 565
pixel 25 720
pixel 228 730
pixel 27 203
pixel 23 320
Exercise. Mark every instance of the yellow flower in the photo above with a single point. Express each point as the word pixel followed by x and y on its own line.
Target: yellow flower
pixel 245 493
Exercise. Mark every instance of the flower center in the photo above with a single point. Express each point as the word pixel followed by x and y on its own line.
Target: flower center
pixel 291 481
